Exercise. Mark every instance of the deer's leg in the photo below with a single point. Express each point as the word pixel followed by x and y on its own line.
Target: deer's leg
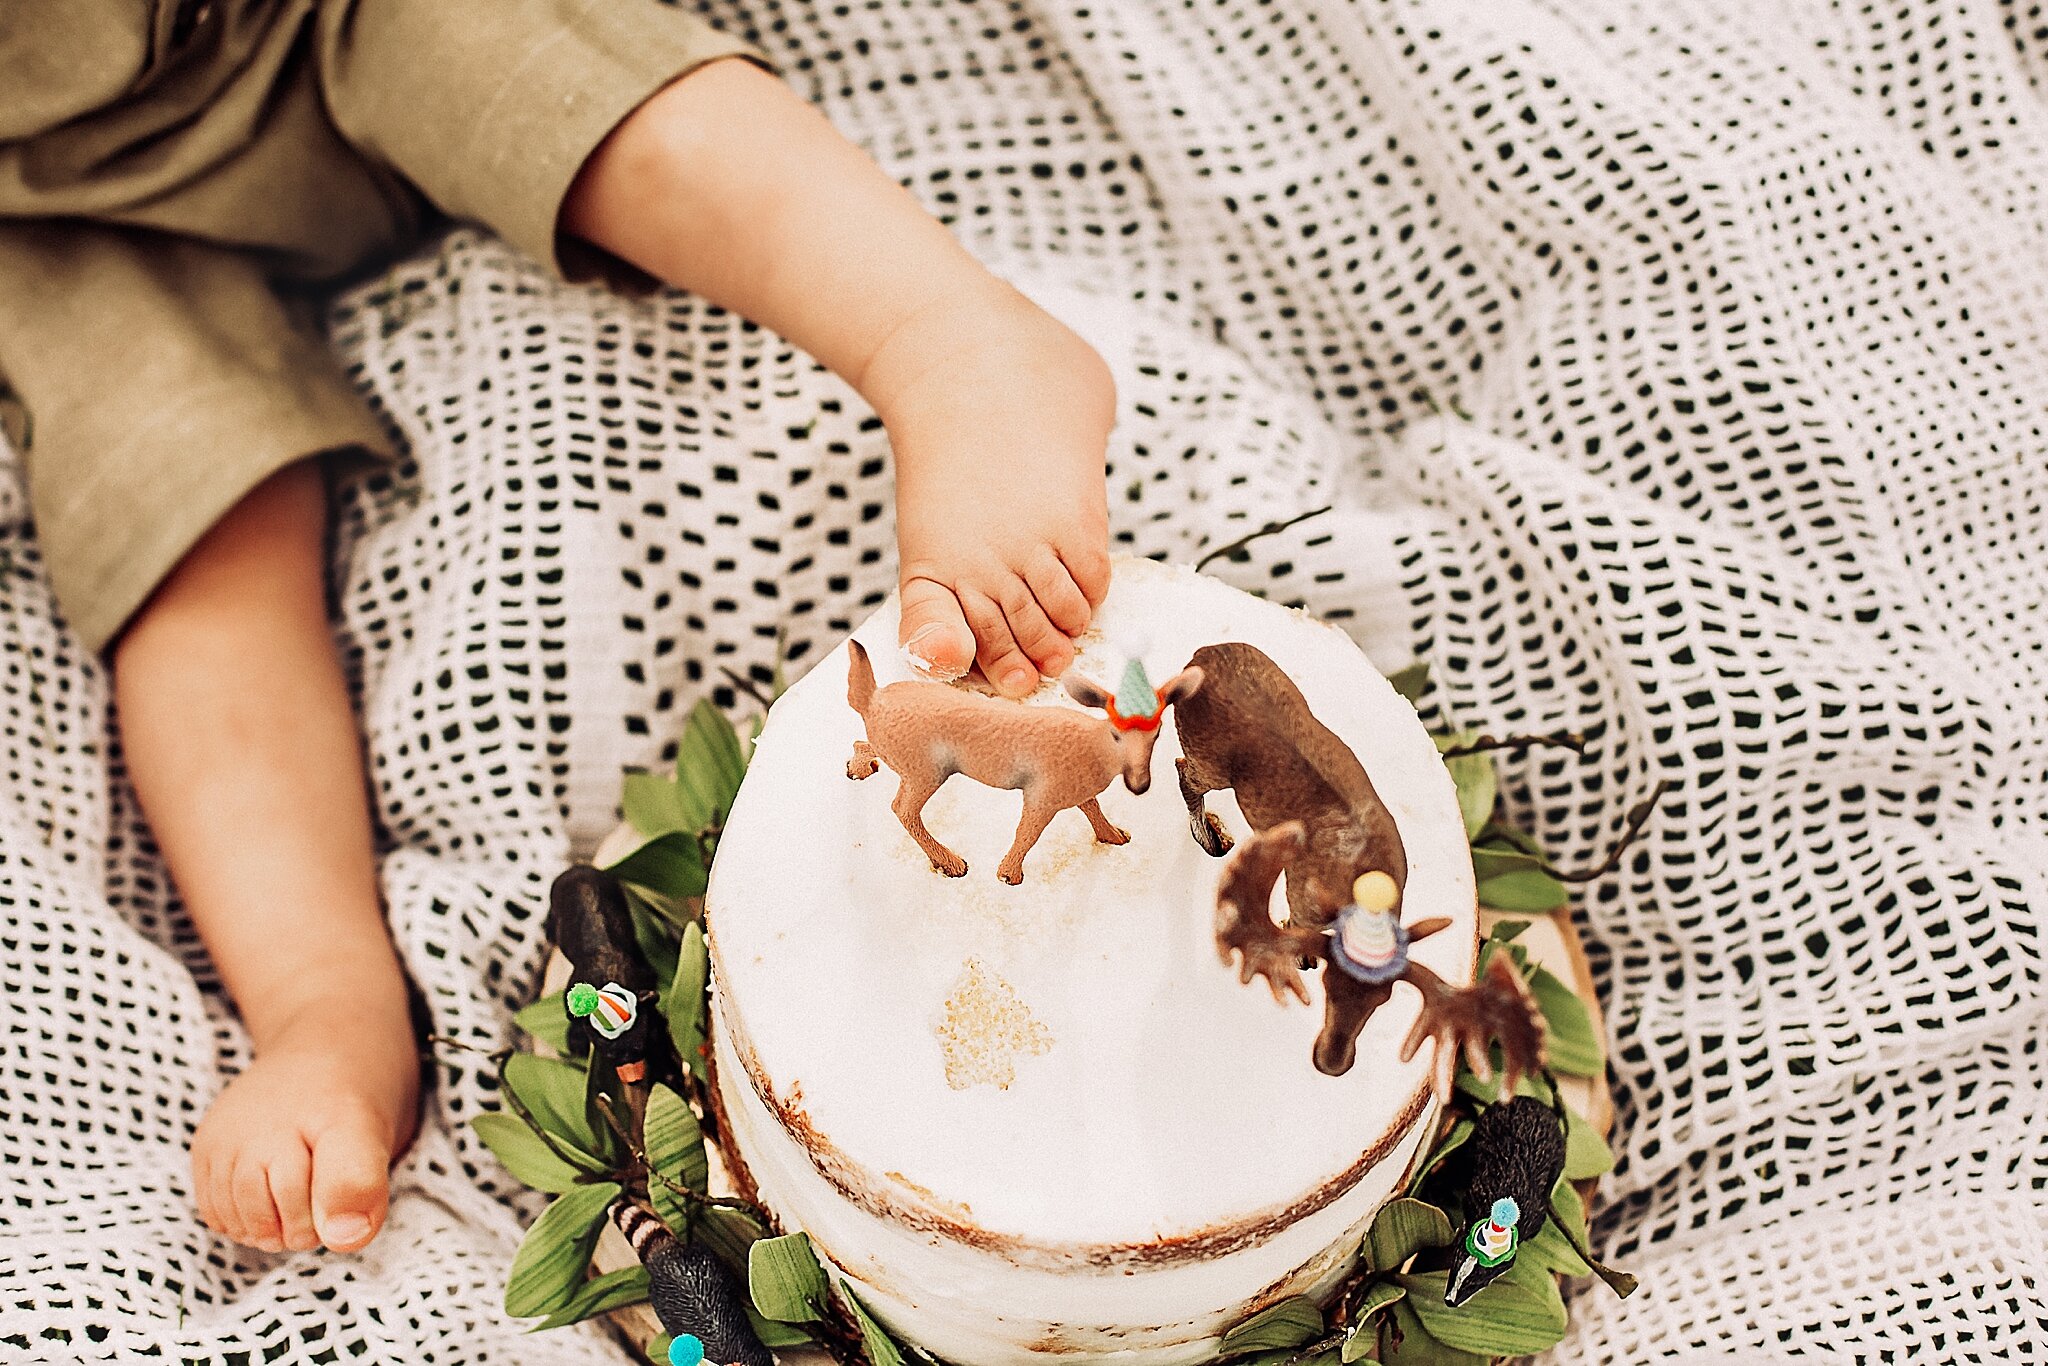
pixel 863 763
pixel 911 796
pixel 1037 815
pixel 1207 830
pixel 1347 1004
pixel 1105 833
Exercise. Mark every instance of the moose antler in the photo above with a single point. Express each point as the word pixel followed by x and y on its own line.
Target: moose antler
pixel 1244 920
pixel 1495 1009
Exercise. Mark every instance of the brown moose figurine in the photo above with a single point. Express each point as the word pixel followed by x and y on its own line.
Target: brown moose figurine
pixel 1317 818
pixel 927 732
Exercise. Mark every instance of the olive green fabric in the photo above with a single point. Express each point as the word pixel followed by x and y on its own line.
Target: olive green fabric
pixel 162 161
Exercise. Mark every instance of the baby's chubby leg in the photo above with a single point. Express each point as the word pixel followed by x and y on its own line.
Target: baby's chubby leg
pixel 245 755
pixel 727 184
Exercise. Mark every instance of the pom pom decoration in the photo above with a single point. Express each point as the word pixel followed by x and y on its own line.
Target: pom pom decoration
pixel 685 1349
pixel 1375 891
pixel 611 1009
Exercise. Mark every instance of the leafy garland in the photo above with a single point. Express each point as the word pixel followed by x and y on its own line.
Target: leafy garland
pixel 571 1130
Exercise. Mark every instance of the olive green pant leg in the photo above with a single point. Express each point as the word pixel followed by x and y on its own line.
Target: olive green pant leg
pixel 159 380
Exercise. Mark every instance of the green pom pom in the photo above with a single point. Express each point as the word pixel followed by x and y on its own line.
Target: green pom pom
pixel 1136 696
pixel 581 1000
pixel 686 1349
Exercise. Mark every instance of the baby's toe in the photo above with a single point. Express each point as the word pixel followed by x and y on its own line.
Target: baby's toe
pixel 1089 566
pixel 1059 596
pixel 934 631
pixel 1007 666
pixel 291 1191
pixel 255 1215
pixel 351 1183
pixel 205 1180
pixel 1044 643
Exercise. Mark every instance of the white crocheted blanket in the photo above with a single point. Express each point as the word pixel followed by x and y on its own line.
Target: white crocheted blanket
pixel 1741 307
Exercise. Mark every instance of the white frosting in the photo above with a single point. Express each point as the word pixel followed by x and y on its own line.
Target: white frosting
pixel 1107 1144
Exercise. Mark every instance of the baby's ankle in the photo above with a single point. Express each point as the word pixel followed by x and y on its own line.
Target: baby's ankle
pixel 949 351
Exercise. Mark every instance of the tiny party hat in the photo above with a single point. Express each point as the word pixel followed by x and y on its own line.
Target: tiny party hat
pixel 1493 1241
pixel 1135 696
pixel 611 1009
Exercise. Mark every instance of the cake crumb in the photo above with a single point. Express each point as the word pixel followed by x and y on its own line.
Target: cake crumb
pixel 986 1028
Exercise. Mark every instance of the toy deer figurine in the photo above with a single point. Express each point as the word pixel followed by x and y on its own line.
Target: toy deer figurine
pixel 927 732
pixel 1318 820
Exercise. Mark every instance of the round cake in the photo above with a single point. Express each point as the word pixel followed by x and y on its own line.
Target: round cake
pixel 1044 1120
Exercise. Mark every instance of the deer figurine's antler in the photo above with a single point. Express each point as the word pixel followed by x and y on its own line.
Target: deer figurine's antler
pixel 1244 924
pixel 1364 950
pixel 1495 1009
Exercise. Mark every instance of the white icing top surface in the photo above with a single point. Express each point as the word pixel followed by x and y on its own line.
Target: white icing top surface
pixel 1148 1094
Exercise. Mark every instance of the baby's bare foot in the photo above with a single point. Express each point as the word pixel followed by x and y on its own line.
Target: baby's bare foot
pixel 297 1151
pixel 999 416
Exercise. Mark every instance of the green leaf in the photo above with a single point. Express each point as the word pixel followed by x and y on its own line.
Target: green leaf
pixel 655 935
pixel 1417 1348
pixel 600 1295
pixel 525 1154
pixel 656 1350
pixel 709 762
pixel 671 863
pixel 1477 783
pixel 1551 1252
pixel 1289 1323
pixel 709 766
pixel 1289 1356
pixel 603 1090
pixel 685 1004
pixel 1567 1025
pixel 785 1279
pixel 1499 832
pixel 675 1150
pixel 1403 1228
pixel 1454 1139
pixel 1524 891
pixel 1566 1205
pixel 547 1271
pixel 1512 1317
pixel 1550 1249
pixel 552 1089
pixel 729 1233
pixel 547 1021
pixel 1411 680
pixel 1363 1339
pixel 653 805
pixel 1507 931
pixel 773 1334
pixel 1586 1154
pixel 880 1347
pixel 1492 860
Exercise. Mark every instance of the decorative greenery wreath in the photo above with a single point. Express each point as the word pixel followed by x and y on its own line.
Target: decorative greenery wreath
pixel 571 1128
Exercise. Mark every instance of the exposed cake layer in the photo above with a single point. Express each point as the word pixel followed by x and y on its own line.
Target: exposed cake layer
pixel 1046 1117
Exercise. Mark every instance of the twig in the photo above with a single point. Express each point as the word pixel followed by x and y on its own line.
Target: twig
pixel 1557 739
pixel 1269 529
pixel 1638 816
pixel 747 686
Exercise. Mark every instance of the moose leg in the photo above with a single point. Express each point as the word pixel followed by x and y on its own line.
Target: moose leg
pixel 1207 830
pixel 909 808
pixel 863 763
pixel 1347 1004
pixel 1037 815
pixel 1105 833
